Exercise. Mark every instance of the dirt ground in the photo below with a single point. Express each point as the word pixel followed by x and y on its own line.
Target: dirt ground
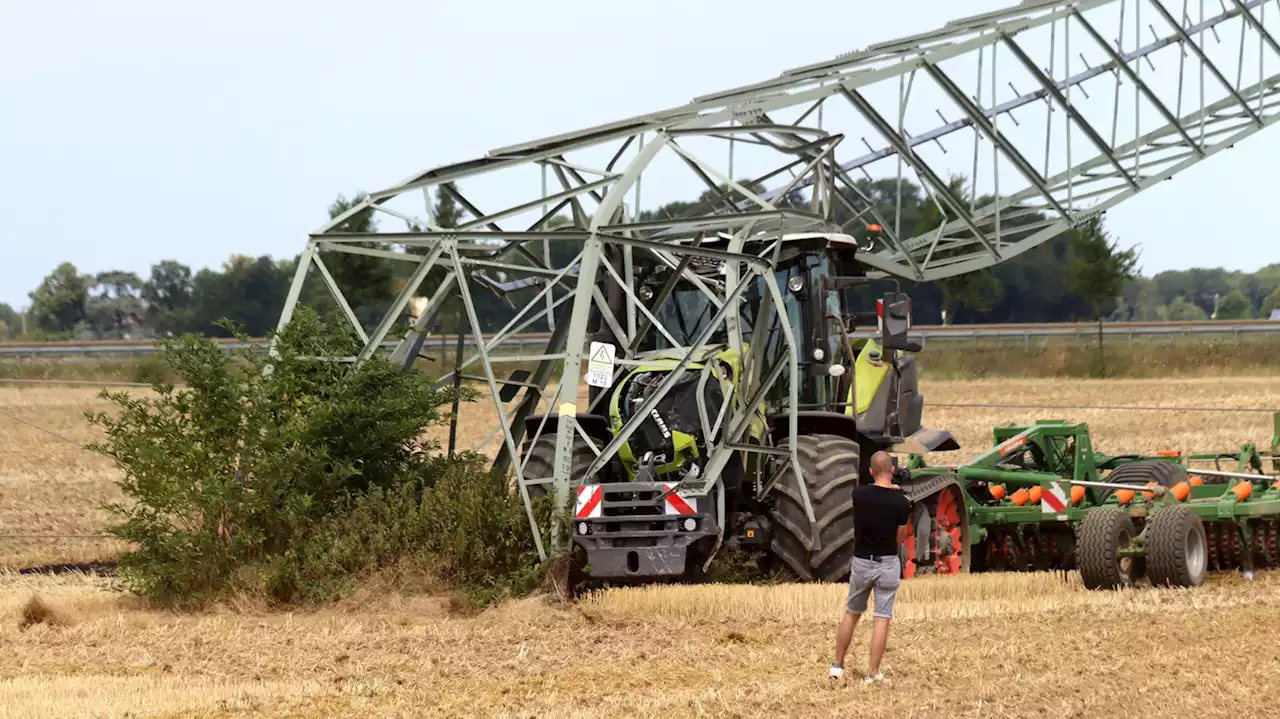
pixel 981 646
pixel 976 646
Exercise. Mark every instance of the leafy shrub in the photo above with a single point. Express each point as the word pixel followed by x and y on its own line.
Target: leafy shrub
pixel 150 370
pixel 290 476
pixel 459 521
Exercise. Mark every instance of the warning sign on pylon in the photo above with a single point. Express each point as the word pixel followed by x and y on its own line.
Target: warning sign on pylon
pixel 600 364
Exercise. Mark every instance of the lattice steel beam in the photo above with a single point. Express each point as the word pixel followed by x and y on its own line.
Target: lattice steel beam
pixel 913 92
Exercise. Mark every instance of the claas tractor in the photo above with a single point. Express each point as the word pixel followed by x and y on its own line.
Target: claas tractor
pixel 743 415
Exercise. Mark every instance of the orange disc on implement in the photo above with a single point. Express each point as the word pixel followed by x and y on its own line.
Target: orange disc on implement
pixel 1150 495
pixel 1077 494
pixel 1242 491
pixel 1124 496
pixel 1196 481
pixel 1036 493
pixel 1020 497
pixel 998 492
pixel 1181 491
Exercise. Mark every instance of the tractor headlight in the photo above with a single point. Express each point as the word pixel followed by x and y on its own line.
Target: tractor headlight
pixel 645 292
pixel 836 370
pixel 818 354
pixel 584 529
pixel 690 524
pixel 795 284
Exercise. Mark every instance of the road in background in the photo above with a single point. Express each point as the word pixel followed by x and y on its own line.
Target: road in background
pixel 1124 332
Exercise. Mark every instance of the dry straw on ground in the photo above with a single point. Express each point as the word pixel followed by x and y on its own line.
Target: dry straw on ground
pixel 988 646
pixel 981 646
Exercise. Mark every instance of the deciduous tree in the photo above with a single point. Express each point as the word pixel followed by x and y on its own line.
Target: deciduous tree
pixel 1271 304
pixel 168 294
pixel 58 304
pixel 1234 306
pixel 115 308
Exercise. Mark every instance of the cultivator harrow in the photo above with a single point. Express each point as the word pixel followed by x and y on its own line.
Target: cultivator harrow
pixel 1042 499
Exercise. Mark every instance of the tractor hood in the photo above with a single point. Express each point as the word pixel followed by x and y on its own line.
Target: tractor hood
pixel 676 429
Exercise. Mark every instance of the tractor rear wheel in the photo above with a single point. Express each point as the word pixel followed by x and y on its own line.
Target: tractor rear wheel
pixel 541 462
pixel 1177 549
pixel 830 466
pixel 1103 533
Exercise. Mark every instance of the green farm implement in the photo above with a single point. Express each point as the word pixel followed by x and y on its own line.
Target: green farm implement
pixel 1041 498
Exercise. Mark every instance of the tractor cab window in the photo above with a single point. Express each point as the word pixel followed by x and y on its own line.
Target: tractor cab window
pixel 771 334
pixel 684 315
pixel 688 310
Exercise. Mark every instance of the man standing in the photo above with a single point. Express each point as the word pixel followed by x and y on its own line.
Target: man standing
pixel 880 514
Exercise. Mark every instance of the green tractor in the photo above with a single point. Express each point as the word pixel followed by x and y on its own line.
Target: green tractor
pixel 740 421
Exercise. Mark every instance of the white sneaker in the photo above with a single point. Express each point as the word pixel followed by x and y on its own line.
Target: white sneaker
pixel 836 672
pixel 879 677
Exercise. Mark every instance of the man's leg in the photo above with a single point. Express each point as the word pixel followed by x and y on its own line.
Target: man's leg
pixel 887 583
pixel 844 635
pixel 879 637
pixel 860 582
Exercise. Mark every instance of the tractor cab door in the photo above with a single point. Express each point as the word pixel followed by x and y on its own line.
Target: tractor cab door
pixel 906 405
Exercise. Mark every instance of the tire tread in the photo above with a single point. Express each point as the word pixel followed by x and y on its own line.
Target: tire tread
pixel 1167 551
pixel 830 464
pixel 1099 536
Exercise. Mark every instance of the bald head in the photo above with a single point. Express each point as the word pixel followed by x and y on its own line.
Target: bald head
pixel 882 467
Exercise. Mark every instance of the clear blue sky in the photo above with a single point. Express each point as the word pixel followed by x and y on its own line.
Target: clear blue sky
pixel 137 131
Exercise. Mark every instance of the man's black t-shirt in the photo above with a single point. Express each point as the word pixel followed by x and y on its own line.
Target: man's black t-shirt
pixel 877 514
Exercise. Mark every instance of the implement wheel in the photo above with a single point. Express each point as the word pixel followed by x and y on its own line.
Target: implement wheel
pixel 1164 474
pixel 1177 549
pixel 830 466
pixel 1103 533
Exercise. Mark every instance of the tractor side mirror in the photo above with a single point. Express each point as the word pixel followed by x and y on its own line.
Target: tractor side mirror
pixel 893 314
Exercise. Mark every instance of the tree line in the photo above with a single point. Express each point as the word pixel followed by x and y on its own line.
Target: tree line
pixel 1080 275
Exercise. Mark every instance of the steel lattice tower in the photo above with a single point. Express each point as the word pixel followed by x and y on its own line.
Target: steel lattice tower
pixel 1055 111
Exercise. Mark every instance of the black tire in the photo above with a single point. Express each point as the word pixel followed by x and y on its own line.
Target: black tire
pixel 542 461
pixel 1164 474
pixel 830 465
pixel 1177 548
pixel 1100 537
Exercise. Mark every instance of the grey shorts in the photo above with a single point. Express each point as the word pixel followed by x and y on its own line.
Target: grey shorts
pixel 865 575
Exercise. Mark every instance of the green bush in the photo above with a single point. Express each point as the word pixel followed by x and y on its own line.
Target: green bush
pixel 291 477
pixel 462 523
pixel 150 370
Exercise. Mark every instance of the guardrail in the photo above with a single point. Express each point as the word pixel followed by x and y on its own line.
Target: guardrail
pixel 1130 332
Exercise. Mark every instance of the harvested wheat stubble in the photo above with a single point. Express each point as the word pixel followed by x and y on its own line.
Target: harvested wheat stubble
pixel 983 645
pixel 49 487
pixel 630 652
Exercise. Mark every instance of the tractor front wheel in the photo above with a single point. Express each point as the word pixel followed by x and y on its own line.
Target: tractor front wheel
pixel 540 463
pixel 830 466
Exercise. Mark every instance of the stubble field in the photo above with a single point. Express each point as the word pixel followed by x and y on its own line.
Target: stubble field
pixel 985 645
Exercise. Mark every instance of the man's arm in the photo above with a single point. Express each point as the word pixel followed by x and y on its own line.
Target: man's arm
pixel 906 521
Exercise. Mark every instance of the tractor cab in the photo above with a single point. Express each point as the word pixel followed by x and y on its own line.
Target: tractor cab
pixel 857 368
